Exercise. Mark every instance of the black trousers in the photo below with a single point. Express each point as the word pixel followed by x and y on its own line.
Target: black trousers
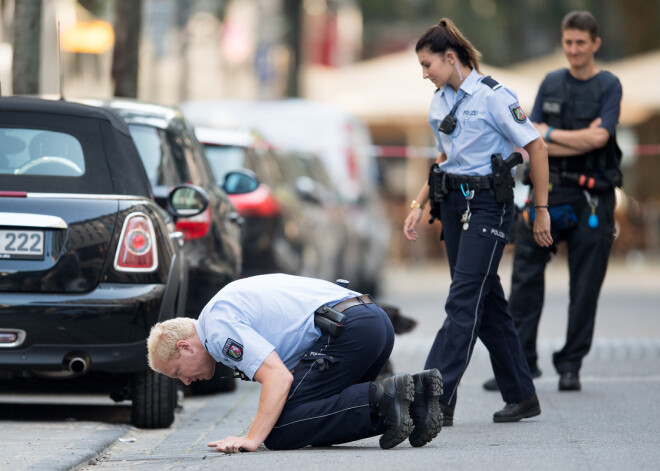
pixel 588 254
pixel 328 402
pixel 476 306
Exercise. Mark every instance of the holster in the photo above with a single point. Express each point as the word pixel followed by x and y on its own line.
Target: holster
pixel 503 181
pixel 437 184
pixel 329 320
pixel 437 190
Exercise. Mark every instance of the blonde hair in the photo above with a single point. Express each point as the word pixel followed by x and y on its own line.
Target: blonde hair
pixel 163 337
pixel 445 35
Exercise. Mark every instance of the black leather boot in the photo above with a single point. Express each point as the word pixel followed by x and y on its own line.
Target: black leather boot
pixel 523 410
pixel 392 402
pixel 425 409
pixel 447 415
pixel 570 381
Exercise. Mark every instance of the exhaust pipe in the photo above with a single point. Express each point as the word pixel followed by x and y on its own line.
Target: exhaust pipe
pixel 77 365
pixel 74 364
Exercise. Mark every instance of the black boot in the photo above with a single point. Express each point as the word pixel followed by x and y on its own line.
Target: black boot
pixel 425 409
pixel 447 415
pixel 569 381
pixel 523 410
pixel 392 401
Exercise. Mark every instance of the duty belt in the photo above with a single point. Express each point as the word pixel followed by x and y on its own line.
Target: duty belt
pixel 582 180
pixel 347 303
pixel 331 320
pixel 474 182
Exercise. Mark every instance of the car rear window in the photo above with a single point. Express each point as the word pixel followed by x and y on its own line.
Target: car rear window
pixel 39 152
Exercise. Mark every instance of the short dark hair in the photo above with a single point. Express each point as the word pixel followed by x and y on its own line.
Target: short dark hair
pixel 582 20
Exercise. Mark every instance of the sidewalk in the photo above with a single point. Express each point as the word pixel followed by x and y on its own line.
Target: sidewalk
pixel 613 423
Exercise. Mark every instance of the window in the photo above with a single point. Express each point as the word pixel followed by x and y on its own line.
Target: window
pixel 164 166
pixel 223 159
pixel 39 152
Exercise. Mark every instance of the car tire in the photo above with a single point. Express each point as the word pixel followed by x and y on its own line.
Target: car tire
pixel 223 381
pixel 154 400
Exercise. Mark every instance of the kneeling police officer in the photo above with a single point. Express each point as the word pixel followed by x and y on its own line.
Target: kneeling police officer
pixel 317 348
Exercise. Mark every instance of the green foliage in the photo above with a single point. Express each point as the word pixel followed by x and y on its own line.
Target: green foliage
pixel 508 31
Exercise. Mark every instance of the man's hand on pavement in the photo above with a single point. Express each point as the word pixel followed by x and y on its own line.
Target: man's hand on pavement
pixel 234 445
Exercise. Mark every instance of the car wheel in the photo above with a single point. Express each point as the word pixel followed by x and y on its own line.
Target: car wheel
pixel 154 400
pixel 223 381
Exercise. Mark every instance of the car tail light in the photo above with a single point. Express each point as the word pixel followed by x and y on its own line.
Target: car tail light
pixel 137 245
pixel 259 203
pixel 195 227
pixel 11 337
pixel 14 194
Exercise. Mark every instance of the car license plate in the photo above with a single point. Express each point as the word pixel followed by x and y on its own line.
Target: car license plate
pixel 18 244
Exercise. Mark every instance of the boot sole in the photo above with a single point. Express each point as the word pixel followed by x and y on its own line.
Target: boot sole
pixel 420 436
pixel 526 415
pixel 406 395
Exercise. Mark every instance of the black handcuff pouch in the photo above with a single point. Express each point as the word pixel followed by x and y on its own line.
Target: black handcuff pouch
pixel 329 320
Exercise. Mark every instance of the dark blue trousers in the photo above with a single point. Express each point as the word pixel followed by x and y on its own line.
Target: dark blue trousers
pixel 588 254
pixel 330 405
pixel 476 306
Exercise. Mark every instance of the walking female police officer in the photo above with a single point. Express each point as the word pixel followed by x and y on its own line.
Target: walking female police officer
pixel 473 118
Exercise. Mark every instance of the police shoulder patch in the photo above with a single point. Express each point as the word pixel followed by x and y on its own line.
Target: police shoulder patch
pixel 517 112
pixel 233 350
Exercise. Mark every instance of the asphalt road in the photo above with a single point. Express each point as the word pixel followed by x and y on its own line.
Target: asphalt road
pixel 613 423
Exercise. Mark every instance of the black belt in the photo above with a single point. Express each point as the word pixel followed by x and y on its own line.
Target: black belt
pixel 331 320
pixel 347 303
pixel 583 180
pixel 474 182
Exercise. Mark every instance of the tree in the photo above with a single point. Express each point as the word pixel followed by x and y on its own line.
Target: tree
pixel 27 42
pixel 128 20
pixel 293 15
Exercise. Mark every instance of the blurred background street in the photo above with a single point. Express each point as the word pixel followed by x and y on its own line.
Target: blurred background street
pixel 321 106
pixel 353 55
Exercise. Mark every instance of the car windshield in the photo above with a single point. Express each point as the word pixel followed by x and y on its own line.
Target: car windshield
pixel 224 159
pixel 40 152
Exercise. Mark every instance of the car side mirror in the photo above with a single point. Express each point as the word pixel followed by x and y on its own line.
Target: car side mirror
pixel 307 189
pixel 186 201
pixel 240 181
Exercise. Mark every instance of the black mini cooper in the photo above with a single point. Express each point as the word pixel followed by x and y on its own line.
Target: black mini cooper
pixel 88 261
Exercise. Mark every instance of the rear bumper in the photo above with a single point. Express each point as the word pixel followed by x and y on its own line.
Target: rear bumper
pixel 109 325
pixel 119 358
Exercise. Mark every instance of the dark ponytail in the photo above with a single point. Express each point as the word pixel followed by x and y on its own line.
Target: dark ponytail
pixel 445 35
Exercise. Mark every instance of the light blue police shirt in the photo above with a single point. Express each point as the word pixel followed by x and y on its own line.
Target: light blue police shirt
pixel 251 317
pixel 488 122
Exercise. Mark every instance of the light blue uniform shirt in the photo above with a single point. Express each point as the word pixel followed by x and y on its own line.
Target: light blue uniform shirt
pixel 488 122
pixel 251 317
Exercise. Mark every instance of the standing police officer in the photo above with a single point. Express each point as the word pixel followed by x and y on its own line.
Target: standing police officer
pixel 316 348
pixel 577 110
pixel 476 121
